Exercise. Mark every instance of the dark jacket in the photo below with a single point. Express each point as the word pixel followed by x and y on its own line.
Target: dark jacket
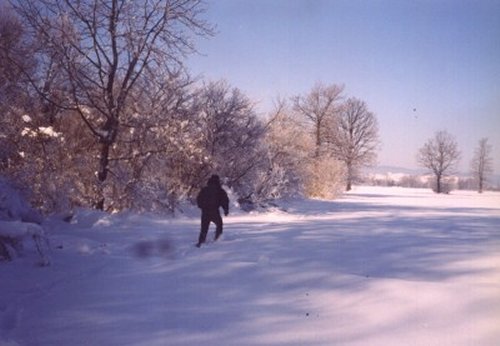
pixel 212 197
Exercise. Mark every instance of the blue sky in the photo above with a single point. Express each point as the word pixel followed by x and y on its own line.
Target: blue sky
pixel 421 66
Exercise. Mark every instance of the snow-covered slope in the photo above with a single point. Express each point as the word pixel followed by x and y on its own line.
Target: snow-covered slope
pixel 380 266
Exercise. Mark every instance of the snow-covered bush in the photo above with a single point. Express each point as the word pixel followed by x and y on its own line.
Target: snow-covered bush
pixel 19 225
pixel 288 147
pixel 325 177
pixel 13 205
pixel 16 236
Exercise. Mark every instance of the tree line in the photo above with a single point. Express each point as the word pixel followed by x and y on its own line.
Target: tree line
pixel 440 155
pixel 99 110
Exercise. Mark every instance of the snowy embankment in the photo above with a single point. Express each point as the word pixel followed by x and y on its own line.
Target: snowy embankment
pixel 380 266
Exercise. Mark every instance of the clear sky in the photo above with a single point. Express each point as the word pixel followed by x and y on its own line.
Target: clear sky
pixel 421 66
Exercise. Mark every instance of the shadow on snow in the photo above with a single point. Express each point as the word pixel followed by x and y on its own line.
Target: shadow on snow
pixel 259 279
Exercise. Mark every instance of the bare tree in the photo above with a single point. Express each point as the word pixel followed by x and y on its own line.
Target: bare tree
pixel 230 136
pixel 440 155
pixel 318 106
pixel 101 49
pixel 482 163
pixel 354 138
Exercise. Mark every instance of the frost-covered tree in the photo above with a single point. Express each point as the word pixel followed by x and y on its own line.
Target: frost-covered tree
pixel 27 136
pixel 229 136
pixel 99 50
pixel 289 146
pixel 14 90
pixel 158 146
pixel 292 165
pixel 440 155
pixel 482 164
pixel 353 138
pixel 319 107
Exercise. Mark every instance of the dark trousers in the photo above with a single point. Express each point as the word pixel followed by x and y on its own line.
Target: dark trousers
pixel 206 218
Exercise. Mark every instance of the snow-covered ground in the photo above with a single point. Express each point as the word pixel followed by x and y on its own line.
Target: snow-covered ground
pixel 380 266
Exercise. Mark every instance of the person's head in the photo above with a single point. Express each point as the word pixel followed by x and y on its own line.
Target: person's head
pixel 214 180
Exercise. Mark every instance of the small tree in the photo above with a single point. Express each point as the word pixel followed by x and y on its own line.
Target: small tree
pixel 354 138
pixel 440 155
pixel 482 164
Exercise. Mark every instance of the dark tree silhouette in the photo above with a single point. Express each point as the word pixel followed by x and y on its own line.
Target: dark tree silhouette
pixel 354 138
pixel 440 155
pixel 482 163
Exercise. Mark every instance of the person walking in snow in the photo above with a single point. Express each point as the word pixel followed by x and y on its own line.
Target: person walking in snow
pixel 209 200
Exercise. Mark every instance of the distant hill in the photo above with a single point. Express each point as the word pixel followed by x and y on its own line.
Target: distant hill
pixel 411 177
pixel 394 169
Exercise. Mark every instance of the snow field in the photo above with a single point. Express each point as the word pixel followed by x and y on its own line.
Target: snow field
pixel 380 266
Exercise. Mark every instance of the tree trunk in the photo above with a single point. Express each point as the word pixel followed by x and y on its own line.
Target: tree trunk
pixel 102 175
pixel 349 185
pixel 110 130
pixel 438 184
pixel 349 176
pixel 318 139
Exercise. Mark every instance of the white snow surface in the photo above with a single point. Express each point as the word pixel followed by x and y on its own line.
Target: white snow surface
pixel 379 266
